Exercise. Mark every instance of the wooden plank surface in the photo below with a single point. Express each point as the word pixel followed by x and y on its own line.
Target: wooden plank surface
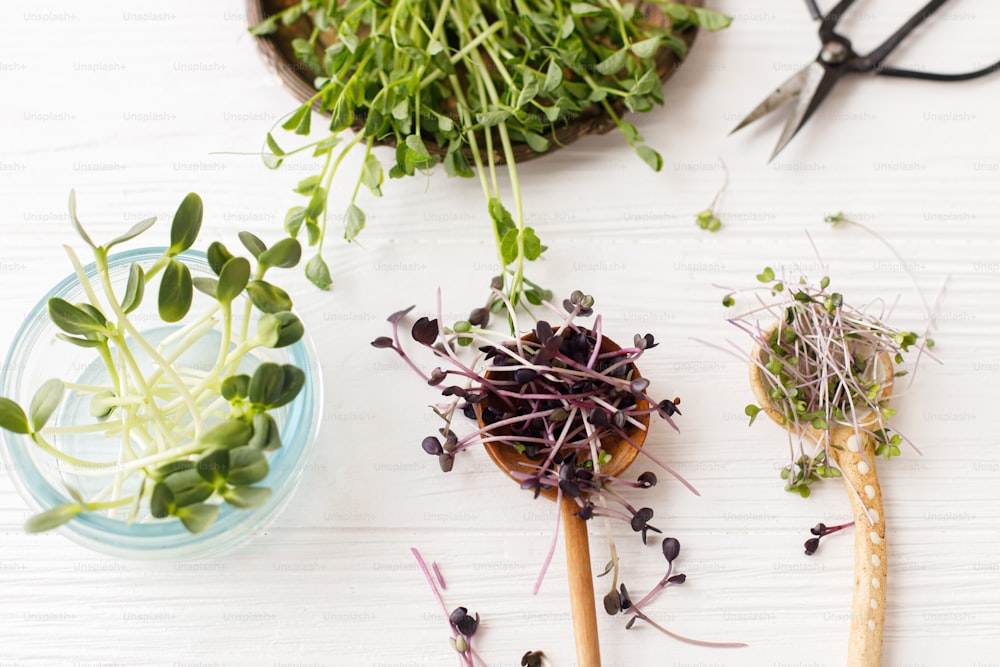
pixel 135 104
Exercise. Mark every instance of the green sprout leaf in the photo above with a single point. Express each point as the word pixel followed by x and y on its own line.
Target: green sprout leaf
pixel 647 48
pixel 186 224
pixel 613 63
pixel 218 255
pixel 76 221
pixel 766 276
pixel 252 243
pixel 45 402
pixel 12 417
pixel 161 503
pixel 188 487
pixel 229 434
pixel 299 121
pixel 246 497
pixel 247 465
pixel 268 298
pixel 650 157
pixel 318 273
pixel 284 254
pixel 214 467
pixel 232 279
pixel 197 518
pixel 205 285
pixel 266 435
pixel 751 411
pixel 273 386
pixel 372 175
pixel 137 229
pixel 176 291
pixel 135 288
pixel 711 20
pixel 74 319
pixel 354 222
pixel 235 387
pixel 52 518
pixel 290 329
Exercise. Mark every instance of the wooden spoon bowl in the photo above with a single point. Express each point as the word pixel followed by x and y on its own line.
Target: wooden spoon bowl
pixel 581 580
pixel 854 455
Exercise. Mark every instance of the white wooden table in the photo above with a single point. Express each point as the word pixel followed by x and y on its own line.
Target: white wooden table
pixel 135 104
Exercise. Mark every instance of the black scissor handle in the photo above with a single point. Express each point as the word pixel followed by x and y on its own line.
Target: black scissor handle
pixel 873 61
pixel 933 76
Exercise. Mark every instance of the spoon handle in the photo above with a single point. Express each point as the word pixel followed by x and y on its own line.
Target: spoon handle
pixel 868 612
pixel 581 586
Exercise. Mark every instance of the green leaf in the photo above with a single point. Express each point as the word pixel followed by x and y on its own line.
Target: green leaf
pixel 266 435
pixel 416 145
pixel 276 156
pixel 188 487
pixel 318 273
pixel 292 383
pixel 235 387
pixel 372 175
pixel 45 402
pixel 52 518
pixel 528 91
pixel 231 433
pixel 613 63
pixel 135 288
pixel 233 279
pixel 266 27
pixel 502 219
pixel 76 222
pixel 214 467
pixel 456 165
pixel 90 343
pixel 247 465
pixel 536 142
pixel 284 254
pixel 186 224
pixel 218 255
pixel 161 503
pixel 647 48
pixel 711 20
pixel 247 497
pixel 583 9
pixel 205 285
pixel 290 329
pixel 766 276
pixel 354 222
pixel 136 229
pixel 533 247
pixel 553 77
pixel 299 120
pixel 268 298
pixel 567 27
pixel 197 518
pixel 73 319
pixel 266 384
pixel 176 291
pixel 317 204
pixel 508 247
pixel 12 417
pixel 751 411
pixel 650 157
pixel 294 219
pixel 252 243
pixel 493 117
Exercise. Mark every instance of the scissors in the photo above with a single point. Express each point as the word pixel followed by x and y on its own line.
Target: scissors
pixel 810 85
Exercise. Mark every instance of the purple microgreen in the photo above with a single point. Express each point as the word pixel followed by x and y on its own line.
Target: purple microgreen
pixel 821 530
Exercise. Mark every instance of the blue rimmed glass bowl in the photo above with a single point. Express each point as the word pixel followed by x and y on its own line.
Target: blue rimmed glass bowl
pixel 37 355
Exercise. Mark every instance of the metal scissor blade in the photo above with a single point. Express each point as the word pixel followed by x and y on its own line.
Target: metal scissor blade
pixel 781 94
pixel 818 81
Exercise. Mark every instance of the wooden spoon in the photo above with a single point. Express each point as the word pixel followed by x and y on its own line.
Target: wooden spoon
pixel 581 580
pixel 854 455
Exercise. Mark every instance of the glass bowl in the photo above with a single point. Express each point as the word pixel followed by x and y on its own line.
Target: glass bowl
pixel 36 355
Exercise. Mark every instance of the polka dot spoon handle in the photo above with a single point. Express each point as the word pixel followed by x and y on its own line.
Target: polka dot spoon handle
pixel 868 612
